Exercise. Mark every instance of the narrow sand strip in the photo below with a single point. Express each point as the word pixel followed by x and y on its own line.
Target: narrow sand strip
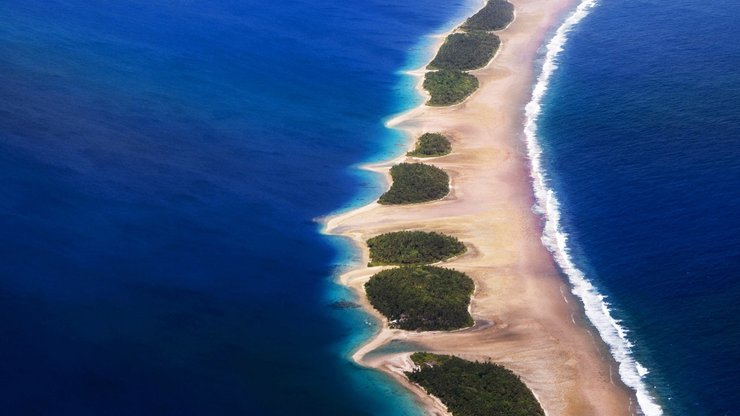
pixel 526 318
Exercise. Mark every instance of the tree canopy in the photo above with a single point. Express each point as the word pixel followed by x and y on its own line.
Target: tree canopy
pixel 431 144
pixel 473 388
pixel 495 15
pixel 416 182
pixel 449 87
pixel 412 247
pixel 424 298
pixel 466 51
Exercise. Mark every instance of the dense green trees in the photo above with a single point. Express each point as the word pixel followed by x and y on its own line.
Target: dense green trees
pixel 471 48
pixel 431 144
pixel 425 298
pixel 472 388
pixel 416 182
pixel 449 87
pixel 466 51
pixel 495 15
pixel 412 247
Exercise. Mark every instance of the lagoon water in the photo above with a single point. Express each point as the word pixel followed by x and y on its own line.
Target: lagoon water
pixel 162 164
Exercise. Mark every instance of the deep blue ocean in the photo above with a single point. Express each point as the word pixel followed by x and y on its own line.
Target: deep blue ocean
pixel 162 164
pixel 640 132
pixel 161 167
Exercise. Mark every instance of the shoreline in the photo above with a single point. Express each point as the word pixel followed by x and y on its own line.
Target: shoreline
pixel 525 315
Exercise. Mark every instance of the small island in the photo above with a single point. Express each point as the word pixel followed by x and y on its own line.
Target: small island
pixel 431 145
pixel 412 247
pixel 466 51
pixel 414 183
pixel 422 298
pixel 448 87
pixel 473 388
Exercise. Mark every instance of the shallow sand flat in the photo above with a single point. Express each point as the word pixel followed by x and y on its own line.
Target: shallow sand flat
pixel 526 318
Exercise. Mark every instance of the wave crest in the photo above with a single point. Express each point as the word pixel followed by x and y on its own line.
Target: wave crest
pixel 595 304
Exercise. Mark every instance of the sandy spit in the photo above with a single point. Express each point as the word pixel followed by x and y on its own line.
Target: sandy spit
pixel 526 318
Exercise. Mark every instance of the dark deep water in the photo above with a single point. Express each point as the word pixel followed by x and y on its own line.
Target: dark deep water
pixel 641 135
pixel 161 164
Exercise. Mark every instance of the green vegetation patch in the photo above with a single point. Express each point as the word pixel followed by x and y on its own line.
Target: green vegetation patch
pixel 466 51
pixel 449 87
pixel 495 15
pixel 430 145
pixel 472 388
pixel 412 247
pixel 424 298
pixel 416 182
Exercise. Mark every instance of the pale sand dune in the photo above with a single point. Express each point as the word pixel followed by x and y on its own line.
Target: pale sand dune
pixel 527 320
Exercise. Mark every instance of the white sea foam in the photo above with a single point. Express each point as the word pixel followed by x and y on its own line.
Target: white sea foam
pixel 595 304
